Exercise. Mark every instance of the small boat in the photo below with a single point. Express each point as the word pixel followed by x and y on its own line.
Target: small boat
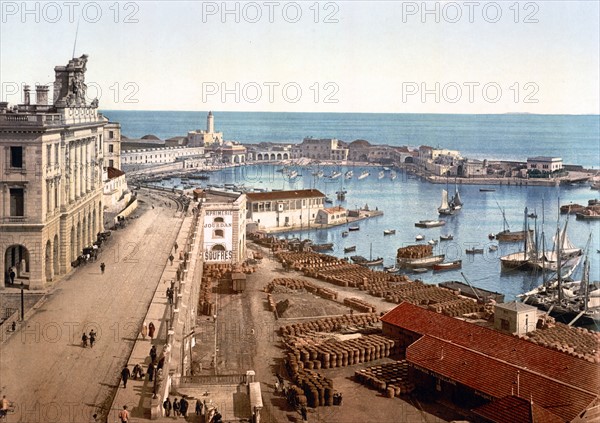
pixel 391 269
pixel 386 168
pixel 429 223
pixel 491 236
pixel 349 249
pixel 345 234
pixel 318 174
pixel 474 250
pixel 358 259
pixel 457 264
pixel 493 248
pixel 419 237
pixel 393 175
pixel 487 189
pixel 335 175
pixel 322 247
pixel 348 175
pixel 590 215
pixel 363 175
pixel 389 232
pixel 432 242
pixel 354 228
pixel 328 200
pixel 444 208
pixel 448 237
pixel 381 174
pixel 420 270
pixel 532 216
pixel 293 174
pixel 426 262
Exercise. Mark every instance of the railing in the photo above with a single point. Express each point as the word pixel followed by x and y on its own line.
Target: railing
pixel 213 379
pixel 14 219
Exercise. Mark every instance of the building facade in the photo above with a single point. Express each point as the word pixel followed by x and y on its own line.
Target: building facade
pixel 332 216
pixel 132 159
pixel 224 227
pixel 320 149
pixel 206 138
pixel 544 164
pixel 232 153
pixel 284 209
pixel 266 152
pixel 51 160
pixel 515 317
pixel 112 144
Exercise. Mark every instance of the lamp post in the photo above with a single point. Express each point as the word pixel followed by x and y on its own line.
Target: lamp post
pixel 22 302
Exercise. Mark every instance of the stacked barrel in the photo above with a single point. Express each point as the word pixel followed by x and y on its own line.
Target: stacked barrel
pixel 456 307
pixel 415 251
pixel 331 324
pixel 389 378
pixel 311 388
pixel 298 284
pixel 333 354
pixel 360 305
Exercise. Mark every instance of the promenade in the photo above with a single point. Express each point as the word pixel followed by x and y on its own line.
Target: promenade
pixel 44 369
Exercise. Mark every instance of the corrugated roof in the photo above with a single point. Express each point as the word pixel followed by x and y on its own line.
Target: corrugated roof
pixel 516 410
pixel 497 378
pixel 561 366
pixel 284 195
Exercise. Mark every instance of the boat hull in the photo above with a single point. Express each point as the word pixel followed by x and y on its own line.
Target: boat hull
pixel 447 266
pixel 426 262
pixel 508 236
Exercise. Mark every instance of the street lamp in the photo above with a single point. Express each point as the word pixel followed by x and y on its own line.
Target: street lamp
pixel 22 302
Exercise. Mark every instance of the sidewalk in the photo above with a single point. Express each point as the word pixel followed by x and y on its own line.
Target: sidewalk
pixel 138 394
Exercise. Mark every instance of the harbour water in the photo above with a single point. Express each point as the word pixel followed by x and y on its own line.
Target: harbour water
pixel 408 199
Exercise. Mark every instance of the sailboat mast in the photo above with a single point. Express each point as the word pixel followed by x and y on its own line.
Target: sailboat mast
pixel 559 265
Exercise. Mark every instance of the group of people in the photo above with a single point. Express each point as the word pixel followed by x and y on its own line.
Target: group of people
pixel 91 338
pixel 148 330
pixel 181 407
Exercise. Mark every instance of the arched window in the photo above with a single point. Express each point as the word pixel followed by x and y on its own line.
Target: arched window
pixel 218 247
pixel 218 233
pixel 218 220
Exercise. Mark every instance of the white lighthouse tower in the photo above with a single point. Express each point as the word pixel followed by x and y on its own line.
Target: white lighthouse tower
pixel 210 123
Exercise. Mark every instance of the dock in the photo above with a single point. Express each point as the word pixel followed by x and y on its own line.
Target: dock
pixel 475 292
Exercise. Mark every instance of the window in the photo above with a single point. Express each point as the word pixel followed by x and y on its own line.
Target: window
pixel 111 135
pixel 504 325
pixel 56 148
pixel 49 154
pixel 218 233
pixel 110 148
pixel 16 157
pixel 218 220
pixel 218 247
pixel 16 202
pixel 111 163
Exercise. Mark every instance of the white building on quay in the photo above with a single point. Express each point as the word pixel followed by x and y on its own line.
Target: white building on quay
pixel 51 161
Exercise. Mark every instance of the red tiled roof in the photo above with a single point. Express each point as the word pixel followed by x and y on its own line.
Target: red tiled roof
pixel 514 409
pixel 284 195
pixel 113 172
pixel 496 378
pixel 561 366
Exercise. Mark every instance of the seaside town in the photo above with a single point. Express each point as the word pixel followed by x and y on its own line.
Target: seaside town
pixel 125 297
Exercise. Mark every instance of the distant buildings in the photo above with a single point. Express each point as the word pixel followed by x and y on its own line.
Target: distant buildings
pixel 144 157
pixel 51 160
pixel 332 216
pixel 544 164
pixel 205 138
pixel 320 149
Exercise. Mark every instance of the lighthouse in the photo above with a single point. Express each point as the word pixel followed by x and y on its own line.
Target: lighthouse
pixel 210 123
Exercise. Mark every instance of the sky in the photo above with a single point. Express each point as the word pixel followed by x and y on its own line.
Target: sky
pixel 374 57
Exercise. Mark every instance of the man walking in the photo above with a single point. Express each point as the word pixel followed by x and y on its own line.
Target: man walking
pixel 183 405
pixel 12 275
pixel 92 338
pixel 167 406
pixel 102 267
pixel 125 375
pixel 124 415
pixel 171 258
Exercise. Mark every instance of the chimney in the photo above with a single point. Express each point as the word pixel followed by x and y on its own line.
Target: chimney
pixel 26 95
pixel 41 95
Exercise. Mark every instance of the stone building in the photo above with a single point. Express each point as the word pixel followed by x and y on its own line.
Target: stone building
pixel 544 164
pixel 332 216
pixel 284 209
pixel 232 153
pixel 320 149
pixel 206 138
pixel 515 317
pixel 145 157
pixel 51 160
pixel 112 144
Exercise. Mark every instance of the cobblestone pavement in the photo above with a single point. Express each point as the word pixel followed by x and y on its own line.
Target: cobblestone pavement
pixel 44 369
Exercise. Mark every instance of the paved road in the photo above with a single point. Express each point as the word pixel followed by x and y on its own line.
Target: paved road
pixel 44 369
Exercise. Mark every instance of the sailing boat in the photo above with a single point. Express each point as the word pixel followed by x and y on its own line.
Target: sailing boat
pixel 567 250
pixel 444 208
pixel 521 259
pixel 507 235
pixel 370 262
pixel 456 203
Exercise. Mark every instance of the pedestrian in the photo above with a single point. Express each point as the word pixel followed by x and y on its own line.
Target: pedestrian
pixel 92 338
pixel 176 408
pixel 151 368
pixel 153 353
pixel 124 415
pixel 144 331
pixel 138 372
pixel 84 340
pixel 183 405
pixel 167 406
pixel 169 296
pixel 4 406
pixel 198 407
pixel 175 246
pixel 304 414
pixel 125 374
pixel 102 267
pixel 171 258
pixel 151 330
pixel 12 275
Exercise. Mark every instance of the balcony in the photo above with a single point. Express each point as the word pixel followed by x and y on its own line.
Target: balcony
pixel 13 219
